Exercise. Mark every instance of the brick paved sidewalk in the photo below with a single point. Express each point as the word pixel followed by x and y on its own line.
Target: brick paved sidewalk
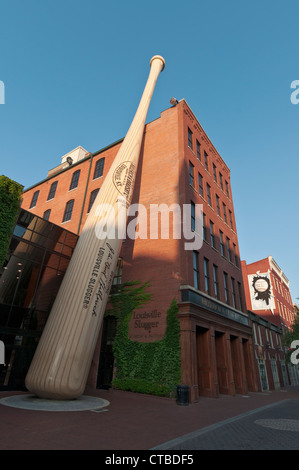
pixel 130 421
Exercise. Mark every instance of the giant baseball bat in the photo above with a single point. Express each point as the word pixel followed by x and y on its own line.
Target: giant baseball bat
pixel 62 360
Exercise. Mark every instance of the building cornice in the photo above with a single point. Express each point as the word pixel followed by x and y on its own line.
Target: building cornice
pixel 204 136
pixel 90 155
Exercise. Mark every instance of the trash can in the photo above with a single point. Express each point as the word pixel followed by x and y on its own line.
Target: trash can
pixel 182 395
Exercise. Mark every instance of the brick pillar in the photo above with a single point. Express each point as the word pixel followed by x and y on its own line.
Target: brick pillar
pixel 231 381
pixel 188 357
pixel 213 359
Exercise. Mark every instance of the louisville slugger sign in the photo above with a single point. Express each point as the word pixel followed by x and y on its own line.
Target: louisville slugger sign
pixel 62 360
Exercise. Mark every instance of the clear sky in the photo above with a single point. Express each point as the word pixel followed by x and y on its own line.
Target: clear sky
pixel 74 72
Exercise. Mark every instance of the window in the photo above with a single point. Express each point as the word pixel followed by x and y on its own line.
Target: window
pixel 200 184
pixel 204 227
pixel 68 211
pixel 240 296
pixel 92 198
pixel 215 173
pixel 206 273
pixel 221 243
pixel 206 161
pixel 192 216
pixel 228 249
pixel 209 195
pixel 235 254
pixel 117 279
pixel 99 168
pixel 52 191
pixel 215 276
pixel 233 292
pixel 190 139
pixel 198 150
pixel 191 174
pixel 224 213
pixel 212 234
pixel 231 219
pixel 75 180
pixel 226 292
pixel 218 205
pixel 195 270
pixel 227 189
pixel 46 215
pixel 34 199
pixel 221 181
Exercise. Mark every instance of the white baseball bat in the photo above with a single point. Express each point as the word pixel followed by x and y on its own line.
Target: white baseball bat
pixel 61 363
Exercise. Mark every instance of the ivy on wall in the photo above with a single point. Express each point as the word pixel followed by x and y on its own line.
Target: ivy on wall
pixel 10 200
pixel 152 368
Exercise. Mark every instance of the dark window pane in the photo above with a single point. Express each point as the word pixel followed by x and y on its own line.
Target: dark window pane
pixel 75 180
pixel 68 210
pixel 190 139
pixel 34 199
pixel 92 198
pixel 191 174
pixel 52 190
pixel 47 214
pixel 99 168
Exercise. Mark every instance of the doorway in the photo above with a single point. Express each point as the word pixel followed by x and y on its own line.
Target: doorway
pixel 106 361
pixel 203 361
pixel 263 375
pixel 236 363
pixel 221 361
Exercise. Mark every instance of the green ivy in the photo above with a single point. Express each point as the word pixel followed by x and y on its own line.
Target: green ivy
pixel 152 368
pixel 10 200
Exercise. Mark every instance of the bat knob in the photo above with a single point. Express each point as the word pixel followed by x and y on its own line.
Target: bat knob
pixel 160 58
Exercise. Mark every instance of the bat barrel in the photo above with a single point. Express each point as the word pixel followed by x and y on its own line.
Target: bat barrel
pixel 61 364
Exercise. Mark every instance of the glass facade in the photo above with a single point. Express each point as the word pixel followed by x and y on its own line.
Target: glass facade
pixel 38 256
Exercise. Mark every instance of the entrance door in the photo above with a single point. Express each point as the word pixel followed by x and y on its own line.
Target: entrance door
pixel 106 362
pixel 284 373
pixel 263 375
pixel 236 362
pixel 275 374
pixel 248 364
pixel 221 360
pixel 203 361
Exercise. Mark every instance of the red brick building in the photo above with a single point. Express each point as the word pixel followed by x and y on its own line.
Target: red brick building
pixel 178 165
pixel 271 367
pixel 267 291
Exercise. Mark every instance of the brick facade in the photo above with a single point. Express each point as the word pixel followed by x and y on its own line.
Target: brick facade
pixel 213 314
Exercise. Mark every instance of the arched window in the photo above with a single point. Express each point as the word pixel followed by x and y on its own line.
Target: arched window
pixel 46 215
pixel 75 180
pixel 92 198
pixel 99 168
pixel 52 191
pixel 34 199
pixel 68 210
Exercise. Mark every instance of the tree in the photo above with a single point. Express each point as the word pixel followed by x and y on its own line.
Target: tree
pixel 10 201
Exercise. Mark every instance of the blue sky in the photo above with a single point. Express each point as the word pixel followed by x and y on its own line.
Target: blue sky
pixel 74 72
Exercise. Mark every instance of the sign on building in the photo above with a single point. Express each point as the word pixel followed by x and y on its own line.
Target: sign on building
pixel 261 292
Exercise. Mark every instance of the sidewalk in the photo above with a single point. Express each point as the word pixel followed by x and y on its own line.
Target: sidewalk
pixel 135 422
